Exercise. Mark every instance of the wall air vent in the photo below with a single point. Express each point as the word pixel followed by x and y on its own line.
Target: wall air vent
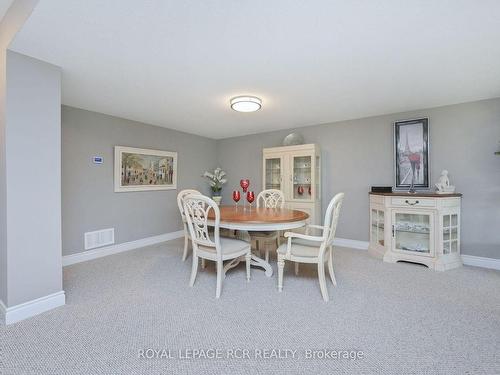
pixel 99 238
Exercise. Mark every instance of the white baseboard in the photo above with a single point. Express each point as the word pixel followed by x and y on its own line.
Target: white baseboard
pixel 471 260
pixel 119 248
pixel 28 309
pixel 468 260
pixel 353 244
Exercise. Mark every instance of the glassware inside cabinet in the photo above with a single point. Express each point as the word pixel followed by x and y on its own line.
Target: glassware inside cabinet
pixel 302 177
pixel 273 173
pixel 412 232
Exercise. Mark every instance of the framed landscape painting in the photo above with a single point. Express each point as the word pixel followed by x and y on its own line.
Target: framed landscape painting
pixel 138 169
pixel 411 154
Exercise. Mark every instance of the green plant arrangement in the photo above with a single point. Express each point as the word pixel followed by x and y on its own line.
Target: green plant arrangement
pixel 216 179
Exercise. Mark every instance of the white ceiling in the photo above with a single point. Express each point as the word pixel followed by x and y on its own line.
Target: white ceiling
pixel 4 5
pixel 177 63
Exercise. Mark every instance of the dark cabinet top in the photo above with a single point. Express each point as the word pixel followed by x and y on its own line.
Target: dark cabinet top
pixel 418 194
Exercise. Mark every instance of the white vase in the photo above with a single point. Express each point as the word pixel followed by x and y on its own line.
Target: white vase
pixel 217 199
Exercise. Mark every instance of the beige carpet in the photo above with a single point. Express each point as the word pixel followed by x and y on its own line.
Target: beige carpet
pixel 404 318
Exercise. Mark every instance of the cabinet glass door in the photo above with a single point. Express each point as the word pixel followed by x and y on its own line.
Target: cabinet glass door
pixel 450 233
pixel 412 232
pixel 317 177
pixel 377 225
pixel 273 173
pixel 302 177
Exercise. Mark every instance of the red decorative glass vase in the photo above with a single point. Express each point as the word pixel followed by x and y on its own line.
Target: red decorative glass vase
pixel 250 197
pixel 236 196
pixel 245 183
pixel 300 190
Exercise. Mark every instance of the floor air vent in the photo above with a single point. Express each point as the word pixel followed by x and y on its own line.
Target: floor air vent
pixel 99 238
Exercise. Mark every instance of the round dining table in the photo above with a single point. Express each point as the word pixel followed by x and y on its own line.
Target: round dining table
pixel 246 219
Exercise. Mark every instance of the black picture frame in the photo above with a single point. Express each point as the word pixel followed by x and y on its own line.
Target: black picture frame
pixel 411 154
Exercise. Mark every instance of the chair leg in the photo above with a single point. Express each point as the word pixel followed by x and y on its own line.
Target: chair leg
pixel 203 263
pixel 267 252
pixel 186 245
pixel 194 270
pixel 322 281
pixel 330 267
pixel 296 268
pixel 281 266
pixel 248 258
pixel 220 274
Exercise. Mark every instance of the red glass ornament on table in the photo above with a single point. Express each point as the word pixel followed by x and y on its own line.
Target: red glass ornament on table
pixel 236 197
pixel 250 198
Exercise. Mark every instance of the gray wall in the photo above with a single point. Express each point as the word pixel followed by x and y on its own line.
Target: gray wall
pixel 358 154
pixel 89 200
pixel 5 38
pixel 11 22
pixel 33 178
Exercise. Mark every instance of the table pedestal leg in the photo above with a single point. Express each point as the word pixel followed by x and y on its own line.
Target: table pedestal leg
pixel 232 263
pixel 256 261
pixel 259 262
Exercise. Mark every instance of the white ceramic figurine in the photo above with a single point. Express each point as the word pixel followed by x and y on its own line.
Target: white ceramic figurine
pixel 443 185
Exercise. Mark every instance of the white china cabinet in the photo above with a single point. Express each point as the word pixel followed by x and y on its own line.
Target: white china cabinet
pixel 419 228
pixel 296 171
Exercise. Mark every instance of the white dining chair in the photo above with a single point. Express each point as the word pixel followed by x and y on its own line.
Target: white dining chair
pixel 180 197
pixel 304 248
pixel 217 249
pixel 270 198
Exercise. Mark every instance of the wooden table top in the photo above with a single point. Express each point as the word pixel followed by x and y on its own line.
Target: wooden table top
pixel 258 215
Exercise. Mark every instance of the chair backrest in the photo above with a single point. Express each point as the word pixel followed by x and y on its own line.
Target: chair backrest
pixel 271 198
pixel 180 197
pixel 331 219
pixel 196 209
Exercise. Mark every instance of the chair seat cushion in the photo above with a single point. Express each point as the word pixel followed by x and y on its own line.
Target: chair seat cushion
pixel 229 246
pixel 301 248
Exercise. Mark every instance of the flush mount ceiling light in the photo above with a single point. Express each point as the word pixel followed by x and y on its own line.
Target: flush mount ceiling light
pixel 246 103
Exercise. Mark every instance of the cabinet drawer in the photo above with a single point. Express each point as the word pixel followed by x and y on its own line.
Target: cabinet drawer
pixel 377 199
pixel 413 202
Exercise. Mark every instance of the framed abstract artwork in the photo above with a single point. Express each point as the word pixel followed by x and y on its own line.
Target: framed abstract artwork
pixel 138 169
pixel 411 154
